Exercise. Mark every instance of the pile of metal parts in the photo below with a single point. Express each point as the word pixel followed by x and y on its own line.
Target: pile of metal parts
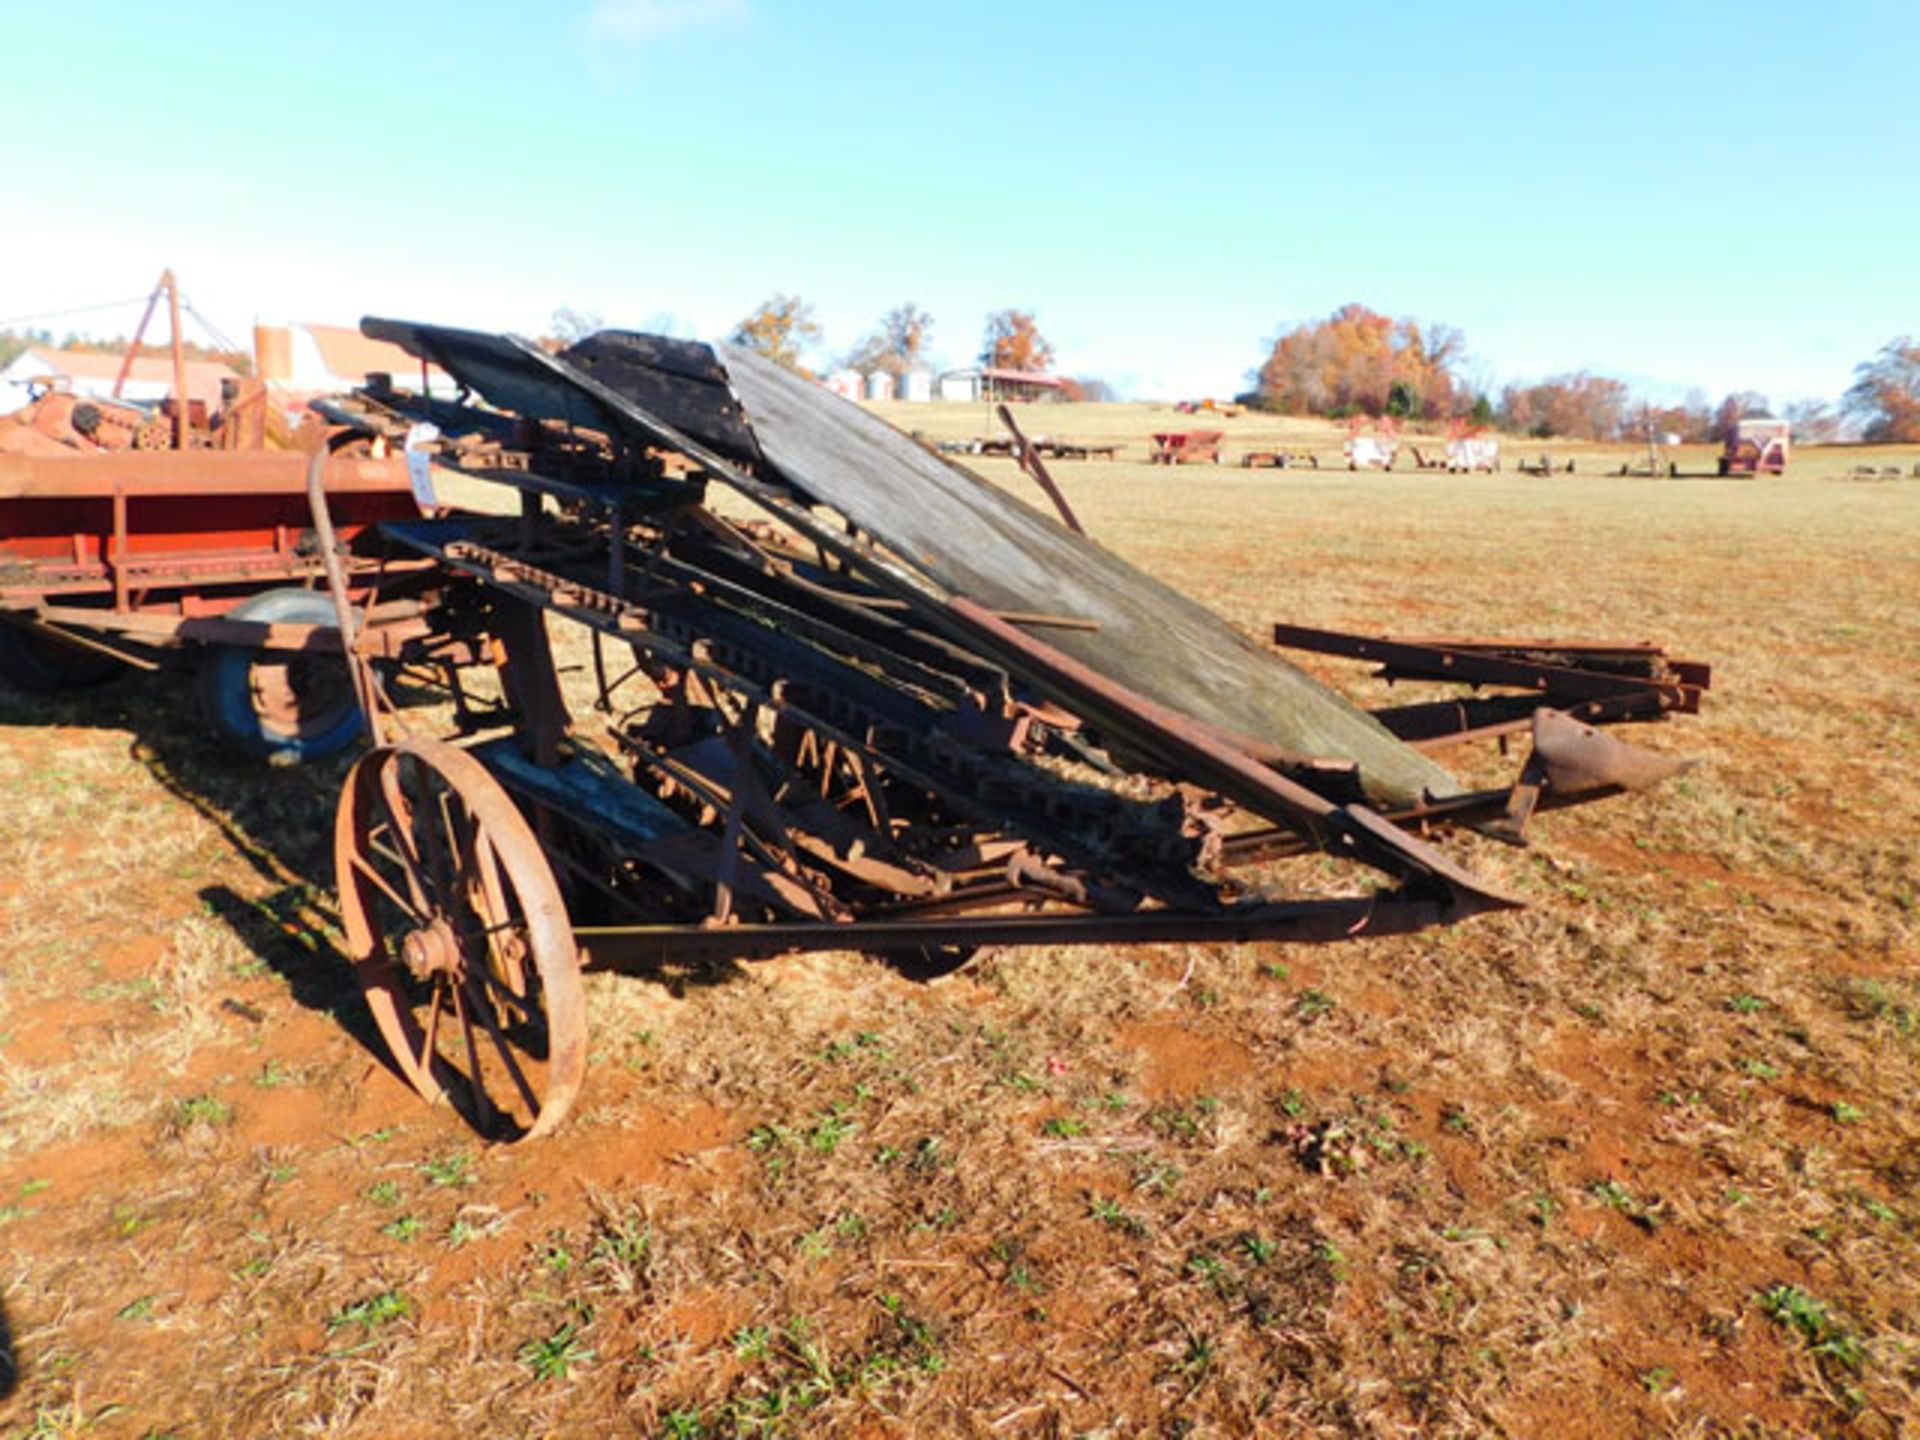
pixel 851 695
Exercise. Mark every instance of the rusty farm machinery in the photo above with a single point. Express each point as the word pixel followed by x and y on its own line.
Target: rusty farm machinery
pixel 736 670
pixel 182 536
pixel 845 695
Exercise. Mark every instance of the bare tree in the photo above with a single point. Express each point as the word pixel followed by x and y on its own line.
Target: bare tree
pixel 567 324
pixel 1740 405
pixel 1813 421
pixel 899 342
pixel 1886 392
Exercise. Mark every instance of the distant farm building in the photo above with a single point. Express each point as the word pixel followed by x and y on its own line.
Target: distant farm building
pixel 993 383
pixel 959 385
pixel 327 359
pixel 91 373
pixel 914 385
pixel 998 384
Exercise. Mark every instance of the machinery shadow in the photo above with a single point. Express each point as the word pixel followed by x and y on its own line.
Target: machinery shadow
pixel 9 1359
pixel 277 820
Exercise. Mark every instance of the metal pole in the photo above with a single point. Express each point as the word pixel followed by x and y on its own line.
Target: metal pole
pixel 364 687
pixel 1036 469
pixel 179 362
pixel 139 333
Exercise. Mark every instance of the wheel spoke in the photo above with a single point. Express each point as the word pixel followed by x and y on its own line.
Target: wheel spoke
pixel 503 995
pixel 400 826
pixel 443 863
pixel 476 1081
pixel 404 907
pixel 507 1058
pixel 428 1050
pixel 487 861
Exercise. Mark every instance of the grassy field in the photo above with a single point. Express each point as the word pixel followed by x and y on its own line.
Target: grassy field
pixel 1642 1159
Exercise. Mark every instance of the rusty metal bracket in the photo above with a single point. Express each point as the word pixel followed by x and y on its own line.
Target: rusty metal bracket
pixel 1677 684
pixel 1030 461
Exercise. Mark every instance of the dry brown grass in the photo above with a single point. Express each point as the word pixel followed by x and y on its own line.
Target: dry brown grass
pixel 1547 1172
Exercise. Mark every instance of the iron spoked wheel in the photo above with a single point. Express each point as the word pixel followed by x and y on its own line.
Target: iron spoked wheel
pixel 460 939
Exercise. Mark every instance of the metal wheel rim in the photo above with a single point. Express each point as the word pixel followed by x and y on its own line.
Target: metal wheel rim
pixel 461 943
pixel 301 696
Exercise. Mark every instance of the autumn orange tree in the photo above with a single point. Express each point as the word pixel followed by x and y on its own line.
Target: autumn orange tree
pixel 1014 342
pixel 1357 361
pixel 897 344
pixel 779 330
pixel 1886 393
pixel 1579 406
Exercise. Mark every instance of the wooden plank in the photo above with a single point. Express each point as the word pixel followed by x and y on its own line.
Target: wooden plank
pixel 948 531
pixel 973 539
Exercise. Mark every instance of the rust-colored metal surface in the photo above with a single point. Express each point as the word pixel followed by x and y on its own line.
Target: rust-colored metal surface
pixel 1186 447
pixel 478 994
pixel 156 527
pixel 902 712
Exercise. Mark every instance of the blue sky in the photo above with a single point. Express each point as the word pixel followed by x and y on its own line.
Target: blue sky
pixel 1677 194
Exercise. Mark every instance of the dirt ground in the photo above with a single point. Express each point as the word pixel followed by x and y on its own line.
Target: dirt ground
pixel 1642 1159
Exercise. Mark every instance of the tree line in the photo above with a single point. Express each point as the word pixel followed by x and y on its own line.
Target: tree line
pixel 782 328
pixel 1357 362
pixel 15 343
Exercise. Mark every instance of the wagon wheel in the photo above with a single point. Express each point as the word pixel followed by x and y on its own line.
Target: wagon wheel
pixel 460 939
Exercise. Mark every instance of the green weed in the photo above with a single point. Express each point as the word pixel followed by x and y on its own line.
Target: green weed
pixel 370 1314
pixel 556 1356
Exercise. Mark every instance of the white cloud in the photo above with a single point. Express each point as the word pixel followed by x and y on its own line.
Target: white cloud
pixel 640 21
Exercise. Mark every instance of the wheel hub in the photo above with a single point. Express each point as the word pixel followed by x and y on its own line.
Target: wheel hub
pixel 431 950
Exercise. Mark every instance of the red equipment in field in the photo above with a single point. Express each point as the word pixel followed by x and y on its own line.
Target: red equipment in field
pixel 1757 447
pixel 135 537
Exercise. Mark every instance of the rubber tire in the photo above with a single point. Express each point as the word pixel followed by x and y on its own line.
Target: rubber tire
pixel 226 687
pixel 46 667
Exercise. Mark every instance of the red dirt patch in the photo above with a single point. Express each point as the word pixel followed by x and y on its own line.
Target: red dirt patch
pixel 1182 1061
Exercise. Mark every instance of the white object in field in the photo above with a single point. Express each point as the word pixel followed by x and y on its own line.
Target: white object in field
pixel 917 386
pixel 1473 452
pixel 960 385
pixel 1368 452
pixel 845 384
pixel 420 462
pixel 879 385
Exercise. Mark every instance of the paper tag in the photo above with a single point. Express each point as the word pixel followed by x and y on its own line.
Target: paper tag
pixel 420 464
